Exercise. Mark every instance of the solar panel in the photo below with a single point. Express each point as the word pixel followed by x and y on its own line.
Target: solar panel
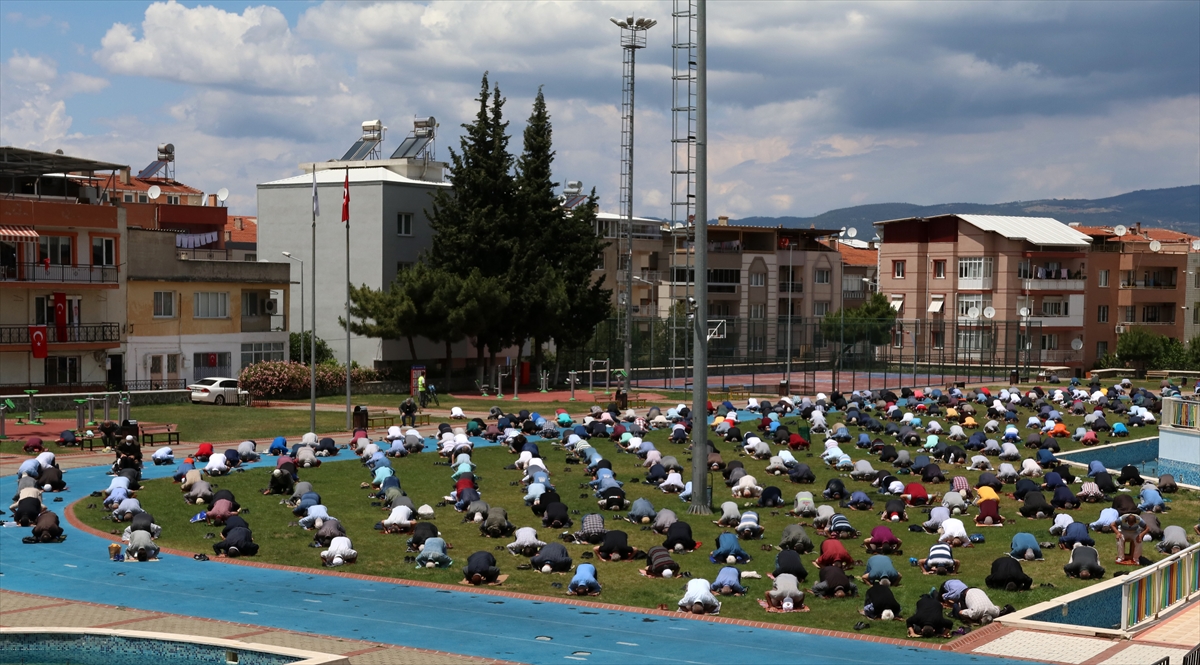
pixel 360 150
pixel 151 170
pixel 411 147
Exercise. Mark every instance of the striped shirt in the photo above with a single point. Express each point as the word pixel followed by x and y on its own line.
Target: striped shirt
pixel 940 554
pixel 839 523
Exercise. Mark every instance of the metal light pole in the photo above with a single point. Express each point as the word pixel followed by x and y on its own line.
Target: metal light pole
pixel 791 307
pixel 301 262
pixel 700 503
pixel 633 37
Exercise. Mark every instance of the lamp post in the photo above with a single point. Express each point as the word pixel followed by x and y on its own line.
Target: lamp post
pixel 791 307
pixel 633 37
pixel 301 262
pixel 701 503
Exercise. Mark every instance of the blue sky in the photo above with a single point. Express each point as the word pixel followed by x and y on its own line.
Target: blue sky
pixel 813 105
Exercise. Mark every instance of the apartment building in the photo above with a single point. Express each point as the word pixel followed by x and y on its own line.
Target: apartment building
pixel 965 285
pixel 62 282
pixel 1139 278
pixel 191 318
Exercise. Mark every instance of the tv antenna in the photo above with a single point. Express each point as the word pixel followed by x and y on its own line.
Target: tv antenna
pixel 1155 246
pixel 1119 230
pixel 989 312
pixel 154 192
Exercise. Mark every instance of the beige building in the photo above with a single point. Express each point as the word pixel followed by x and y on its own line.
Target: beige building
pixel 964 285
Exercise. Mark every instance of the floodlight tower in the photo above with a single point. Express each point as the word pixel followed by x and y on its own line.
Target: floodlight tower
pixel 633 37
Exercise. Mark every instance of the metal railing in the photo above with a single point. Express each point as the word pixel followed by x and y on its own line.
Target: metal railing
pixel 156 384
pixel 90 332
pixel 201 254
pixel 40 272
pixel 791 287
pixel 1154 589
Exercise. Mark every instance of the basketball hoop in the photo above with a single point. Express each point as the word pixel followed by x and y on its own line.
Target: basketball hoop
pixel 716 329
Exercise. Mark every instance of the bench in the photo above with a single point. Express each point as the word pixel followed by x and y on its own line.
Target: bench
pixel 636 401
pixel 422 418
pixel 738 392
pixel 380 415
pixel 150 433
pixel 1107 373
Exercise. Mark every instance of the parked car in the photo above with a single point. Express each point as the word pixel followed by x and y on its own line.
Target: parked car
pixel 216 390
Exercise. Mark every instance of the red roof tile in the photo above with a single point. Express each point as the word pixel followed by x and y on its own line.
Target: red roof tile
pixel 248 232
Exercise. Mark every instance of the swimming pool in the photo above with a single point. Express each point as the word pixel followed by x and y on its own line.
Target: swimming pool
pixel 1141 453
pixel 38 646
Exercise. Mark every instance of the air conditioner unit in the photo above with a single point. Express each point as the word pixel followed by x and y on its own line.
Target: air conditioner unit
pixel 183 256
pixel 1121 330
pixel 271 306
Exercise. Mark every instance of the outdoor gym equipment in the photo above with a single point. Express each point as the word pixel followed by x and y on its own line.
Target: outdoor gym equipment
pixel 592 362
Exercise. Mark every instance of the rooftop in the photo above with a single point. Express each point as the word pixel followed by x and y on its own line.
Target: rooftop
pixel 18 162
pixel 242 228
pixel 858 256
pixel 337 176
pixel 1037 230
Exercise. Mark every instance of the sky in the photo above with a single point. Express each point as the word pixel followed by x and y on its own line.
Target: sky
pixel 812 105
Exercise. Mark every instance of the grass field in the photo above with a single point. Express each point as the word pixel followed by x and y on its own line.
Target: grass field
pixel 427 482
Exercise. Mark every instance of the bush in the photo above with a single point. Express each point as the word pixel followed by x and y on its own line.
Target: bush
pixel 270 379
pixel 1108 361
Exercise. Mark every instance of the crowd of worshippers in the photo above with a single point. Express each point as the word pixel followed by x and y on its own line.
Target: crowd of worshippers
pixel 911 435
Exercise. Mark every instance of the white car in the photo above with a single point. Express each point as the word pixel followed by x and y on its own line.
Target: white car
pixel 216 390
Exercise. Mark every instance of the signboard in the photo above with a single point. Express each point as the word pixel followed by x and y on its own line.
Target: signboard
pixel 414 372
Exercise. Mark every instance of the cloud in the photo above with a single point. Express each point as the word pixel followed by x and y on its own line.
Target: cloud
pixel 24 68
pixel 206 46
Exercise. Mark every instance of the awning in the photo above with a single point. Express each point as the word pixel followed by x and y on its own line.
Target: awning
pixel 18 234
pixel 897 303
pixel 936 305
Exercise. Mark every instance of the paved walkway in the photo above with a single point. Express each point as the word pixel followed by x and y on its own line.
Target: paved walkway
pixel 21 610
pixel 483 623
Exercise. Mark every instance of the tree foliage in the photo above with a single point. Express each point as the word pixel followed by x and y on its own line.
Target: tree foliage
pixel 300 346
pixel 871 322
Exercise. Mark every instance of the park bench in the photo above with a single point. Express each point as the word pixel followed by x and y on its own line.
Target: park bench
pixel 1107 373
pixel 422 418
pixel 380 415
pixel 150 433
pixel 738 392
pixel 636 401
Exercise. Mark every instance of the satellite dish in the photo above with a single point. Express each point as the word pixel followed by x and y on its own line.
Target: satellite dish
pixel 1155 246
pixel 1196 244
pixel 222 194
pixel 1024 311
pixel 989 312
pixel 1120 230
pixel 154 192
pixel 973 313
pixel 852 232
pixel 1077 344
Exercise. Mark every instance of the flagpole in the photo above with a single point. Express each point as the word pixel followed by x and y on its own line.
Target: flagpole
pixel 312 356
pixel 349 422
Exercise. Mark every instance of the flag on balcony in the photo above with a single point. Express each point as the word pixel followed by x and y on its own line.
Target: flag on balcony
pixel 60 316
pixel 37 341
pixel 346 199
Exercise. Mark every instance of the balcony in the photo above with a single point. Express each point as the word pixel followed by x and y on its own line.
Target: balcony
pixel 59 274
pixel 726 247
pixel 1052 284
pixel 974 283
pixel 90 333
pixel 791 287
pixel 854 295
pixel 1048 321
pixel 1151 284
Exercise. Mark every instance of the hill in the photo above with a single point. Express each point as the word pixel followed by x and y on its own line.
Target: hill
pixel 1173 208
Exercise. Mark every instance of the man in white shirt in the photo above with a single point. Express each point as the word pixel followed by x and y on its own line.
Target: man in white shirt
pixel 340 552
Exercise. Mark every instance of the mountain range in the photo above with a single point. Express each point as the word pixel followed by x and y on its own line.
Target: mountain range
pixel 1175 208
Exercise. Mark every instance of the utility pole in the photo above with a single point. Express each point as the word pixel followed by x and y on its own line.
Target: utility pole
pixel 700 502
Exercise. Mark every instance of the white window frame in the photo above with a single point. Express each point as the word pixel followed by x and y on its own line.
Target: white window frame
pixel 164 304
pixel 966 300
pixel 975 267
pixel 822 276
pixel 1102 314
pixel 1049 341
pixel 173 199
pixel 210 305
pixel 758 311
pixel 108 251
pixel 899 268
pixel 820 308
pixel 404 224
pixel 127 197
pixel 1102 278
pixel 758 279
pixel 939 269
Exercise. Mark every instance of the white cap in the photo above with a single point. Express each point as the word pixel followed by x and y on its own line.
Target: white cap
pixel 731 559
pixel 129 437
pixel 478 517
pixel 46 488
pixel 668 573
pixel 887 615
pixel 895 518
pixel 546 568
pixel 787 604
pixel 430 564
pixel 337 561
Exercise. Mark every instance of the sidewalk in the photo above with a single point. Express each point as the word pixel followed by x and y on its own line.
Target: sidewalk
pixel 22 610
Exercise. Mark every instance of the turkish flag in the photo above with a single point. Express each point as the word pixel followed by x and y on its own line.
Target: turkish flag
pixel 60 316
pixel 346 199
pixel 37 341
pixel 212 360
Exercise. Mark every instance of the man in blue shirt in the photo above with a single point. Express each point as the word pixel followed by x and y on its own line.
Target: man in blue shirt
pixel 1025 546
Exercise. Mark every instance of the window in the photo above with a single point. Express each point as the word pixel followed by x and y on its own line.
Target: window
pixel 164 304
pixel 898 269
pixel 936 304
pixel 142 198
pixel 210 305
pixel 1055 307
pixel 404 224
pixel 758 311
pixel 937 338
pixel 723 280
pixel 821 276
pixel 205 365
pixel 1024 271
pixel 1102 314
pixel 898 337
pixel 261 351
pixel 1196 279
pixel 1196 313
pixel 173 199
pixel 1130 314
pixel 250 257
pixel 1102 277
pixel 44 311
pixel 599 263
pixel 156 364
pixel 758 343
pixel 250 303
pixel 173 363
pixel 978 267
pixel 62 370
pixel 1155 314
pixel 55 248
pixel 127 197
pixel 939 270
pixel 1101 349
pixel 852 283
pixel 758 279
pixel 821 308
pixel 1049 342
pixel 401 266
pixel 968 300
pixel 104 252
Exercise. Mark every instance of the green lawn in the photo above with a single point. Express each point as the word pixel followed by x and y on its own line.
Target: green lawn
pixel 427 482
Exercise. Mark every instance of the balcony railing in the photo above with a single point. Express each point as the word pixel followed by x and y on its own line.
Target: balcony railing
pixel 78 334
pixel 791 287
pixel 975 283
pixel 725 247
pixel 40 272
pixel 1053 284
pixel 1146 285
pixel 854 295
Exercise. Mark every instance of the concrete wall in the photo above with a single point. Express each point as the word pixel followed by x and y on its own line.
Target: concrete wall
pixel 1179 445
pixel 66 401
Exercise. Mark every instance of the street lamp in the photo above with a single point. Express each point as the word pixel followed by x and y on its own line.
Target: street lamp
pixel 633 37
pixel 301 262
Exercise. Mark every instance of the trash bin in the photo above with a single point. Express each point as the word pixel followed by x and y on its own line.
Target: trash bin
pixel 622 399
pixel 1014 378
pixel 360 417
pixel 783 388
